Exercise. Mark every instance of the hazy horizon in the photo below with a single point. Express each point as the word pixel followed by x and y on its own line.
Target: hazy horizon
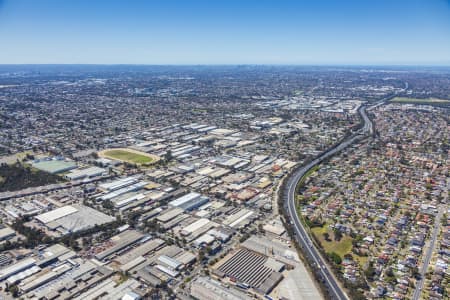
pixel 326 32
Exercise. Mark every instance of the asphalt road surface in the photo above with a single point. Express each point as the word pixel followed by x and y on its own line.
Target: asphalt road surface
pixel 428 255
pixel 301 235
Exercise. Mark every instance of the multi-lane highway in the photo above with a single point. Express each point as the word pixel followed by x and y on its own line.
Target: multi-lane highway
pixel 301 235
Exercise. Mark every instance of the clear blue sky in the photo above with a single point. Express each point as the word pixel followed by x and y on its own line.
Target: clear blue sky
pixel 225 32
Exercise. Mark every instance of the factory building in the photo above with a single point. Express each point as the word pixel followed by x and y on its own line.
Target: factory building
pixel 122 241
pixel 6 233
pixel 127 188
pixel 251 269
pixel 190 201
pixel 16 268
pixel 118 184
pixel 240 218
pixel 74 218
pixel 121 202
pixel 56 214
pixel 85 173
pixel 170 262
pixel 201 224
pixel 54 166
pixel 205 288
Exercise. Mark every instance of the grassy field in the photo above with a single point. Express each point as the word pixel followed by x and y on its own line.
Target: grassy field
pixel 362 260
pixel 420 101
pixel 344 246
pixel 129 155
pixel 12 159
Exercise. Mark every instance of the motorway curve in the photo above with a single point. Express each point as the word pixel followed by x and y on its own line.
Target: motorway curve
pixel 302 237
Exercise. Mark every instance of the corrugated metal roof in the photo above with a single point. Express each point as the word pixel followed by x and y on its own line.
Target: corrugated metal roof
pixel 184 199
pixel 196 225
pixel 167 271
pixel 169 261
pixel 17 267
pixel 56 214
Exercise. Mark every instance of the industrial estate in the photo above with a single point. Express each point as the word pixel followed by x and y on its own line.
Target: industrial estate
pixel 224 182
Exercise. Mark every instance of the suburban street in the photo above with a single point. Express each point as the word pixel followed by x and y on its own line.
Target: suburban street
pixel 301 235
pixel 428 255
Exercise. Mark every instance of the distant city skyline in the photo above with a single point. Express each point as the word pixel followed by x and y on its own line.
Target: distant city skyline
pixel 324 32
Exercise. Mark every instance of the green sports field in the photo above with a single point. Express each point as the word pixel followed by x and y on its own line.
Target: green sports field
pixel 130 156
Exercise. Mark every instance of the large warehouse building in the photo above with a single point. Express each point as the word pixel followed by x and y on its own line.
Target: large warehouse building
pixel 54 166
pixel 251 269
pixel 190 201
pixel 85 173
pixel 74 218
pixel 205 288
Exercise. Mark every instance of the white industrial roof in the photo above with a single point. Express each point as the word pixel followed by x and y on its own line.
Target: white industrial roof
pixel 119 183
pixel 171 273
pixel 22 275
pixel 206 239
pixel 222 131
pixel 196 225
pixel 219 234
pixel 169 261
pixel 184 199
pixel 91 171
pixel 5 232
pixel 56 214
pixel 85 217
pixel 128 200
pixel 17 267
pixel 131 296
pixel 245 216
pixel 124 190
pixel 186 257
